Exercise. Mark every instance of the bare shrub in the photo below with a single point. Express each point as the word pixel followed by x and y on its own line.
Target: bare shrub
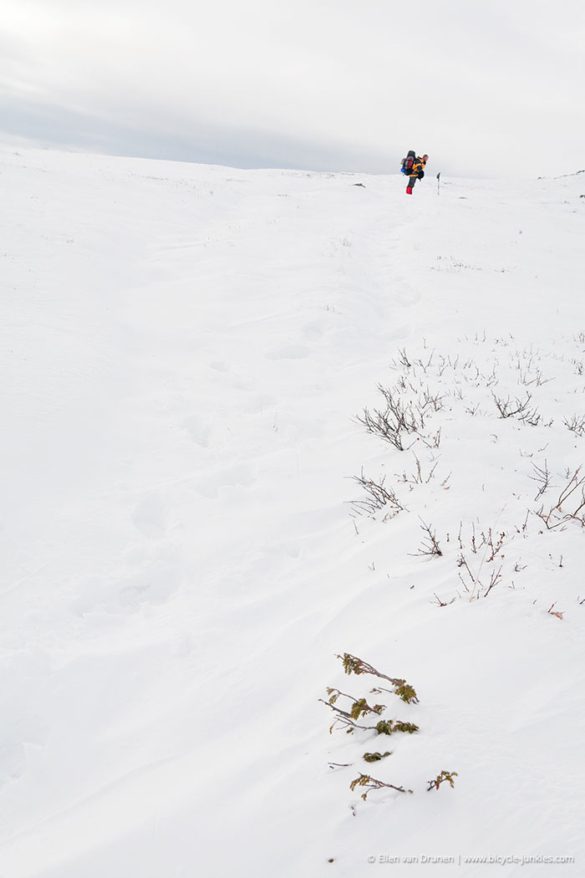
pixel 487 546
pixel 418 477
pixel 527 378
pixel 407 406
pixel 519 408
pixel 475 587
pixel 428 400
pixel 377 498
pixel 576 424
pixel 562 511
pixel 434 440
pixel 425 366
pixel 394 422
pixel 403 359
pixel 430 544
pixel 441 603
pixel 493 543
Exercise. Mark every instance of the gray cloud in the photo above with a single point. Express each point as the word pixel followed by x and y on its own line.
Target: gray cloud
pixel 55 126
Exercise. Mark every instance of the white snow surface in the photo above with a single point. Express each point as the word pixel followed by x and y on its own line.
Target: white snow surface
pixel 184 352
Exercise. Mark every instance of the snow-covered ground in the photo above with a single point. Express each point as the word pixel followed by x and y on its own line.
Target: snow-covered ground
pixel 184 352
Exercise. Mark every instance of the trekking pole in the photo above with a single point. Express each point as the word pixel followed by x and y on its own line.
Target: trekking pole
pixel 439 183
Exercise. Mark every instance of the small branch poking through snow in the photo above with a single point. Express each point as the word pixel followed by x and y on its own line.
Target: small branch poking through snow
pixel 542 478
pixel 372 783
pixel 441 603
pixel 441 778
pixel 354 665
pixel 557 613
pixel 430 544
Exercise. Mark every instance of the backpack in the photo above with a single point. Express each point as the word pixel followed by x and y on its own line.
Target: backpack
pixel 407 163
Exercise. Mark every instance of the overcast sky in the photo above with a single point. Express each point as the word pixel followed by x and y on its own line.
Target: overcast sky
pixel 484 86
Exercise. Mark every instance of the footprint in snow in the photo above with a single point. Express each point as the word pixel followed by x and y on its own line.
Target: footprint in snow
pixel 229 477
pixel 289 352
pixel 197 430
pixel 313 330
pixel 153 585
pixel 260 403
pixel 149 517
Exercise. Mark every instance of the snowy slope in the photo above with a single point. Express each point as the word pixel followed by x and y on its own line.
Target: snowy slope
pixel 184 350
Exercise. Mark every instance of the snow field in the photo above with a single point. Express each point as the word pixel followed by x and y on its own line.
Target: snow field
pixel 185 350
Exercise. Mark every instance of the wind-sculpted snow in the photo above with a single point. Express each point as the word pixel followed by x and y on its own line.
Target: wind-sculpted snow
pixel 204 372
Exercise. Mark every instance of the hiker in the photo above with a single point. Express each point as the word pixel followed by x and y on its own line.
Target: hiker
pixel 416 171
